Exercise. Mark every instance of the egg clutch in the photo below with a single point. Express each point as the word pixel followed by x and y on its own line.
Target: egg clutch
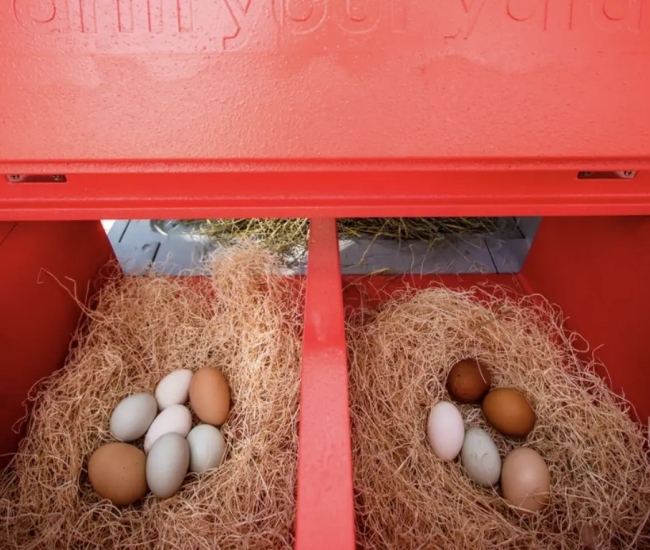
pixel 524 475
pixel 123 473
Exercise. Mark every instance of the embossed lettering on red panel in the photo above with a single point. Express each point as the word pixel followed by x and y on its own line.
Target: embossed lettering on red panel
pixel 101 16
pixel 300 17
pixel 88 16
pixel 249 17
pixel 211 26
pixel 468 12
pixel 358 16
pixel 526 10
pixel 125 15
pixel 617 15
pixel 42 16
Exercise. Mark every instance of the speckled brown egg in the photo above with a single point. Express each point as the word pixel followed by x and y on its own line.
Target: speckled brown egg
pixel 468 381
pixel 509 412
pixel 117 472
pixel 210 396
pixel 526 480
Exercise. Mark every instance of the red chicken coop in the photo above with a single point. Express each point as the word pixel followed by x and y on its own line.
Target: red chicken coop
pixel 325 109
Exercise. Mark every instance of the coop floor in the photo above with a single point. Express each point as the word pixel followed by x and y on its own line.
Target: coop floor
pixel 140 247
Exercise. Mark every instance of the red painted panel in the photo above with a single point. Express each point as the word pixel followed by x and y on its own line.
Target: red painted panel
pixel 344 194
pixel 5 230
pixel 455 82
pixel 597 270
pixel 38 316
pixel 325 514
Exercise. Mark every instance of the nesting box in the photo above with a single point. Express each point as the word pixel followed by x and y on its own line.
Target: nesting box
pixel 324 109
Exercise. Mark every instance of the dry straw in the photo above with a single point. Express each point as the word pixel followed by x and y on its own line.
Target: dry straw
pixel 244 320
pixel 407 498
pixel 289 236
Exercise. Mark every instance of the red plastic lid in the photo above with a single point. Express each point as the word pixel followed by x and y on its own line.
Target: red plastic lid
pixel 291 83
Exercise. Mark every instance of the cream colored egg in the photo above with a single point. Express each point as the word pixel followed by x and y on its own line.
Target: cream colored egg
pixel 445 430
pixel 176 418
pixel 174 389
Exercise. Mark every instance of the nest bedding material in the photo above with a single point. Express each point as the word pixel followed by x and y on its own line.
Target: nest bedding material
pixel 288 237
pixel 400 356
pixel 246 320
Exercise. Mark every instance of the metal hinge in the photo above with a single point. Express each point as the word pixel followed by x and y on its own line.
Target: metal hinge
pixel 36 178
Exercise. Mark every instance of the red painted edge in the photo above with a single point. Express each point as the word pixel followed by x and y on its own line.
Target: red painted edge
pixel 325 511
pixel 343 194
pixel 311 165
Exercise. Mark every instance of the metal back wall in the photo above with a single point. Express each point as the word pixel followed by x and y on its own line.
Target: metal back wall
pixel 95 86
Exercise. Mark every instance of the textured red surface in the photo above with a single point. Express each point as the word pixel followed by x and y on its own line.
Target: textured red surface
pixel 38 316
pixel 325 514
pixel 456 83
pixel 340 194
pixel 597 270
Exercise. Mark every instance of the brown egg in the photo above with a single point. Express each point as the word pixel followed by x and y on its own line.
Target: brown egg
pixel 468 381
pixel 526 481
pixel 509 412
pixel 210 396
pixel 117 472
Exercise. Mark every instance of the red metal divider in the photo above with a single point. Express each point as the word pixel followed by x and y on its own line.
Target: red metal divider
pixel 38 316
pixel 325 514
pixel 597 269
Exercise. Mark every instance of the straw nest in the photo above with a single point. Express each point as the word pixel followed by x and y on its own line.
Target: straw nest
pixel 244 320
pixel 400 356
pixel 289 236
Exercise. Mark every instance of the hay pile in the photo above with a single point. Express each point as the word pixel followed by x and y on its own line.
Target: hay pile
pixel 407 498
pixel 288 237
pixel 246 321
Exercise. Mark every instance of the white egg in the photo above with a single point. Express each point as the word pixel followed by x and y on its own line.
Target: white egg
pixel 167 464
pixel 133 416
pixel 480 457
pixel 174 389
pixel 176 418
pixel 445 430
pixel 207 447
